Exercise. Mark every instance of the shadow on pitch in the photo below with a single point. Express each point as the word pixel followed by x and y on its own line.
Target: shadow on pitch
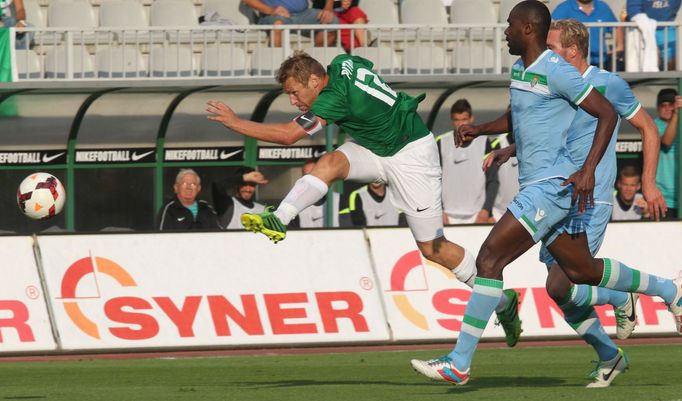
pixel 473 385
pixel 480 383
pixel 306 383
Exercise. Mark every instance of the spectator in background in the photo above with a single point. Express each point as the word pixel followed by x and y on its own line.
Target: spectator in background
pixel 628 204
pixel 315 216
pixel 668 105
pixel 13 14
pixel 348 12
pixel 368 206
pixel 661 11
pixel 468 191
pixel 185 212
pixel 590 11
pixel 234 196
pixel 295 12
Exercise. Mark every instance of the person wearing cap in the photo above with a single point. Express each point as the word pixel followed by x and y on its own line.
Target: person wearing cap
pixel 234 196
pixel 668 104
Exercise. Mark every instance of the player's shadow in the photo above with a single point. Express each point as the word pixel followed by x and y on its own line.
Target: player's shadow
pixel 310 382
pixel 507 382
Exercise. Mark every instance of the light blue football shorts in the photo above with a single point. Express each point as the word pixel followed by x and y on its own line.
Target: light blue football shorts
pixel 592 222
pixel 540 206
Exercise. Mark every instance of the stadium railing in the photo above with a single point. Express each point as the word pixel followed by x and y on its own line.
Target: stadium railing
pixel 415 52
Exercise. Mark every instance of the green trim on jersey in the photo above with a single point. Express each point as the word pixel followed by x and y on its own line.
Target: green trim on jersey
pixel 365 107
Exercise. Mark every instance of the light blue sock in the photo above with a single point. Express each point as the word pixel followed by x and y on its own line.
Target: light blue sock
pixel 622 278
pixel 584 320
pixel 485 296
pixel 586 295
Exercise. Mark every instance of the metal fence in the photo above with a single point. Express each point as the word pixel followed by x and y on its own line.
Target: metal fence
pixel 152 53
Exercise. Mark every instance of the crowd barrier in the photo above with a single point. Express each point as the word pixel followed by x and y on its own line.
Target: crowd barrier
pixel 245 52
pixel 113 292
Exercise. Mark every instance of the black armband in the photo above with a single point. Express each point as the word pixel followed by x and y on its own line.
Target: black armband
pixel 308 121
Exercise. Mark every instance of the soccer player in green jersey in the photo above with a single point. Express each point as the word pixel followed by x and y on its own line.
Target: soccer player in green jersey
pixel 391 144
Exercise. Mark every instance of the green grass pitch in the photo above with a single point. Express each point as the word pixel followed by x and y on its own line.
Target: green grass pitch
pixel 533 373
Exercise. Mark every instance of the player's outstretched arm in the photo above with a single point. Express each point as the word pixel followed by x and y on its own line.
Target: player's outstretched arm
pixel 656 206
pixel 583 179
pixel 467 133
pixel 280 133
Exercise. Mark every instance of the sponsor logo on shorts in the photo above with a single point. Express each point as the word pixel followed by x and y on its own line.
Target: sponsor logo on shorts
pixel 539 214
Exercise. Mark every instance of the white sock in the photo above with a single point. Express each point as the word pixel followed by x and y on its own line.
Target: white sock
pixel 466 273
pixel 306 191
pixel 466 270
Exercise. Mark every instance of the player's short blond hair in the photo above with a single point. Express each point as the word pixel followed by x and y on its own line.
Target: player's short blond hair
pixel 300 66
pixel 573 32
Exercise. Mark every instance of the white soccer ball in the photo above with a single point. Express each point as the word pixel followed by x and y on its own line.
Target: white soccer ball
pixel 41 196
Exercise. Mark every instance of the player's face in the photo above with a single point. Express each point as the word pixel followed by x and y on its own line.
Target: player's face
pixel 187 188
pixel 665 110
pixel 301 96
pixel 514 33
pixel 459 119
pixel 246 191
pixel 628 187
pixel 554 43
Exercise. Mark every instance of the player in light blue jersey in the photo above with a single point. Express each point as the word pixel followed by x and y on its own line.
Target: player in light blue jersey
pixel 570 39
pixel 544 90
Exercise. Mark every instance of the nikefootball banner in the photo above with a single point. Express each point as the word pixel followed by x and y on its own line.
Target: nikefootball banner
pixel 8 67
pixel 137 155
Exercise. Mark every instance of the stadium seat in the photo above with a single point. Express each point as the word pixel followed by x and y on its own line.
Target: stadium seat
pixel 119 62
pixel 74 14
pixel 324 55
pixel 28 64
pixel 122 13
pixel 224 60
pixel 384 12
pixel 504 8
pixel 266 60
pixel 55 63
pixel 171 61
pixel 473 58
pixel 34 14
pixel 71 14
pixel 385 59
pixel 234 10
pixel 179 14
pixel 474 12
pixel 129 15
pixel 429 12
pixel 425 59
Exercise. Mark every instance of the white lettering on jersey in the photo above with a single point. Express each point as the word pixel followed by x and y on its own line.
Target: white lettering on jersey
pixel 347 69
pixel 375 87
